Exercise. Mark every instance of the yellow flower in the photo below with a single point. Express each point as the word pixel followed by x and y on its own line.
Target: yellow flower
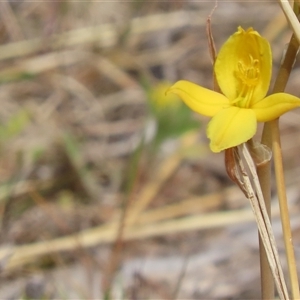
pixel 160 101
pixel 243 71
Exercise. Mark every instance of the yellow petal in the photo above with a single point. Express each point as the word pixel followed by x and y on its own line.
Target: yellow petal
pixel 199 99
pixel 274 106
pixel 231 127
pixel 159 101
pixel 239 53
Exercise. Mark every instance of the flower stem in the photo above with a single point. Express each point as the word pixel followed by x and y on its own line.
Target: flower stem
pixel 284 212
pixel 266 277
pixel 271 137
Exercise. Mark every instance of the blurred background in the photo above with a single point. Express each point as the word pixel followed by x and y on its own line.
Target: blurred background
pixel 108 189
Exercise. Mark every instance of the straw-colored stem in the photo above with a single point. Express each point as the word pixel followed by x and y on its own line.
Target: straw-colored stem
pixel 284 212
pixel 264 177
pixel 271 138
pixel 253 192
pixel 279 86
pixel 291 17
pixel 266 277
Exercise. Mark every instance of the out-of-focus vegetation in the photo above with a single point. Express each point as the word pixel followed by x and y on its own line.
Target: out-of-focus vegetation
pixel 100 172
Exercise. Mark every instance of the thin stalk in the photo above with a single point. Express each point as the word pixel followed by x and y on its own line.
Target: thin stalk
pixel 266 276
pixel 284 212
pixel 253 192
pixel 271 138
pixel 291 16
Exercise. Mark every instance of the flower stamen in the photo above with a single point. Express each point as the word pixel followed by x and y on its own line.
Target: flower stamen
pixel 248 74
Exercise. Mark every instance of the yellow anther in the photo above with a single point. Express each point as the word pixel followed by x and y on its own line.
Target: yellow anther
pixel 248 72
